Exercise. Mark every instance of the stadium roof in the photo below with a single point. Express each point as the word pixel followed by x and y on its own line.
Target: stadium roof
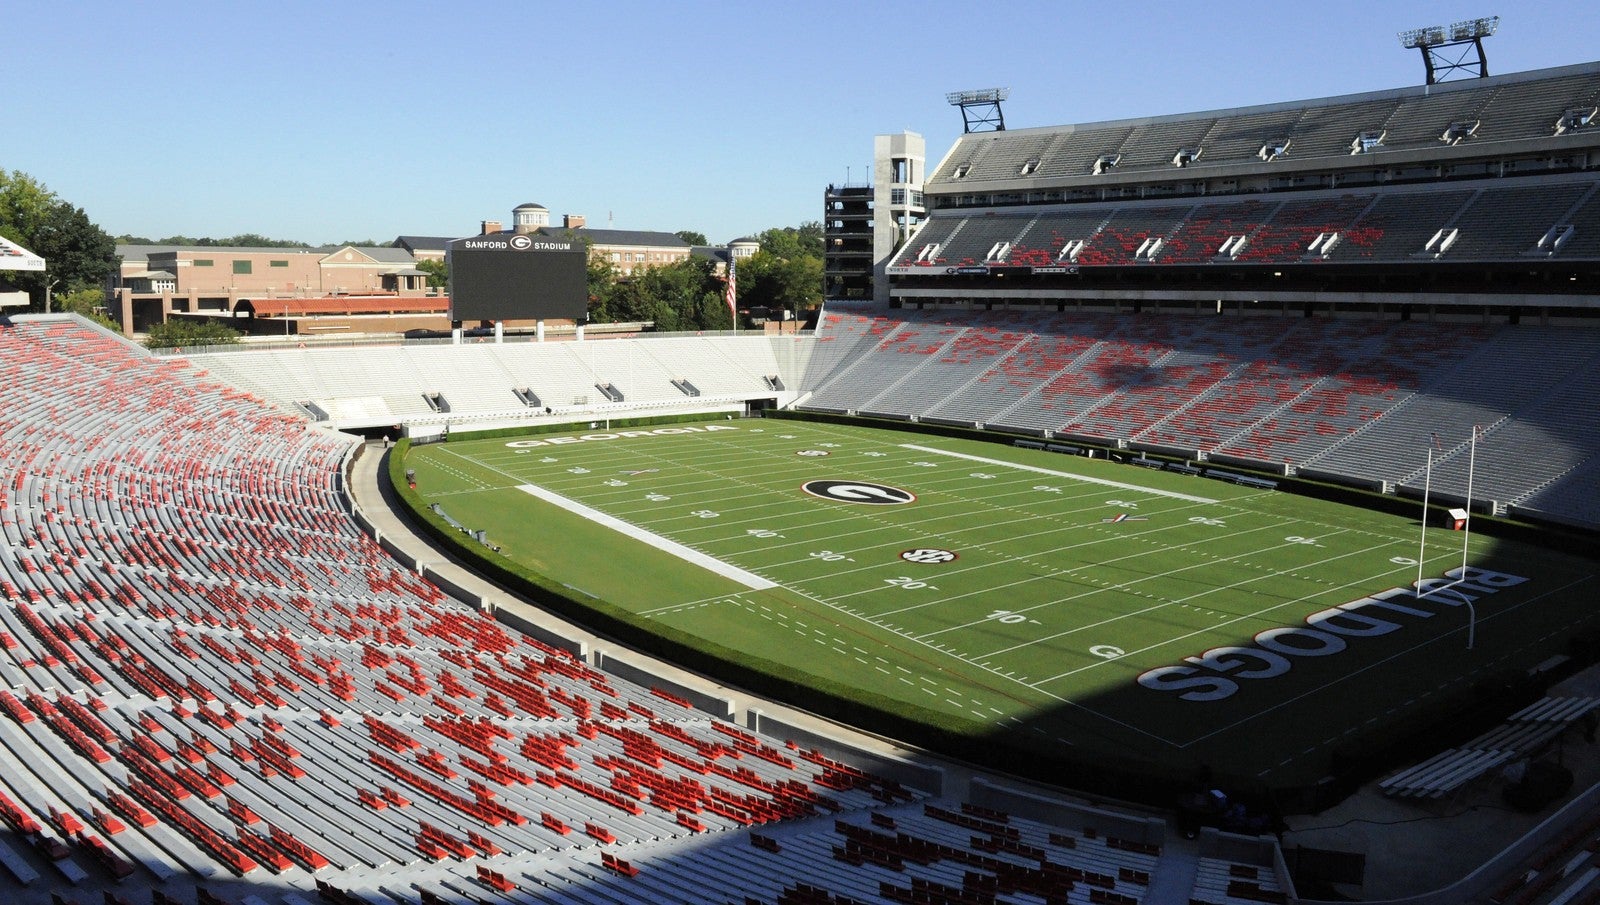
pixel 710 252
pixel 386 254
pixel 618 236
pixel 1533 105
pixel 415 244
pixel 15 257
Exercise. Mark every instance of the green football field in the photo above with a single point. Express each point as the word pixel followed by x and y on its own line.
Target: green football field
pixel 1018 593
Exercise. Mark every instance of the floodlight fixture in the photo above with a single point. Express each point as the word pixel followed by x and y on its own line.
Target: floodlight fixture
pixel 1466 36
pixel 982 95
pixel 980 109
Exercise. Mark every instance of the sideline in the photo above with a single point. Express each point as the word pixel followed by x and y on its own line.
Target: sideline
pixel 687 554
pixel 1068 475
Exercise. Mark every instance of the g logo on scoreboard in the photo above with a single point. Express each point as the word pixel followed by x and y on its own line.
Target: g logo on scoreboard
pixel 859 492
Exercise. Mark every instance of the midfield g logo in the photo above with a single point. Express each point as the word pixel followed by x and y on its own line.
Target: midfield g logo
pixel 859 492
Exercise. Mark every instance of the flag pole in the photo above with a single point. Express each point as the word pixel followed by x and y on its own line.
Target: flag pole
pixel 732 292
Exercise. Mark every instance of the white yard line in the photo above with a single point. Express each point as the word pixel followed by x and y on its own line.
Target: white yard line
pixel 1071 476
pixel 695 557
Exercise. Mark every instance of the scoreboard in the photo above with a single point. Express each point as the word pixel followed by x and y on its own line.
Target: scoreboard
pixel 518 277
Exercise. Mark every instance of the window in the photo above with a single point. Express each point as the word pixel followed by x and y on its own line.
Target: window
pixel 1273 148
pixel 897 196
pixel 203 262
pixel 963 170
pixel 1186 155
pixel 1029 166
pixel 277 263
pixel 1106 162
pixel 241 267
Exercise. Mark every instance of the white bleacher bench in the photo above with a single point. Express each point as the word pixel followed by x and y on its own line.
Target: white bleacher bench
pixel 1523 733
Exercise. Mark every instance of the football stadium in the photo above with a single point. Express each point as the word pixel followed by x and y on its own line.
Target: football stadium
pixel 1208 512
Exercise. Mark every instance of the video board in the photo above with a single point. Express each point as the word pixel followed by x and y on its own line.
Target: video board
pixel 518 277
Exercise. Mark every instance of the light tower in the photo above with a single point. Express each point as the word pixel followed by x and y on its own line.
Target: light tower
pixel 1449 50
pixel 980 110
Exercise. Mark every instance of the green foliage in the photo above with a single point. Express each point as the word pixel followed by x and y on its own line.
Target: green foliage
pixel 688 295
pixel 692 237
pixel 181 333
pixel 78 253
pixel 790 242
pixel 787 272
pixel 242 240
pixel 438 273
pixel 602 278
pixel 684 295
pixel 89 303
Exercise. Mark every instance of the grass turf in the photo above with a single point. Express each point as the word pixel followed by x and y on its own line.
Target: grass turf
pixel 1054 584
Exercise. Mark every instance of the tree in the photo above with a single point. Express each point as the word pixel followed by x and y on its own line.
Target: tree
pixel 790 241
pixel 24 205
pixel 78 253
pixel 180 333
pixel 602 283
pixel 787 272
pixel 692 237
pixel 438 273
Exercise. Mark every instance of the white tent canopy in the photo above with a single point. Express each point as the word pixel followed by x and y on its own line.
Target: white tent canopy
pixel 15 257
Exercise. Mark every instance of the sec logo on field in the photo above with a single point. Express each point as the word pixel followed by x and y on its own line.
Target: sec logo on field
pixel 859 492
pixel 928 555
pixel 813 453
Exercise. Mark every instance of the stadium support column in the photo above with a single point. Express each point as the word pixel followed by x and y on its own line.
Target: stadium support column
pixel 538 331
pixel 499 332
pixel 899 163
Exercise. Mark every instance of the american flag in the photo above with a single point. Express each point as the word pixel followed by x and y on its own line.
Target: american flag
pixel 732 294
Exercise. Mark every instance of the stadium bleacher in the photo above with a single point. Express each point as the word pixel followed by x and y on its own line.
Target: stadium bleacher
pixel 1358 398
pixel 386 385
pixel 213 678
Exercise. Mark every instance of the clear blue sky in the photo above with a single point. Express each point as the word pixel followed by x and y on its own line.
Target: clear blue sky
pixel 326 122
